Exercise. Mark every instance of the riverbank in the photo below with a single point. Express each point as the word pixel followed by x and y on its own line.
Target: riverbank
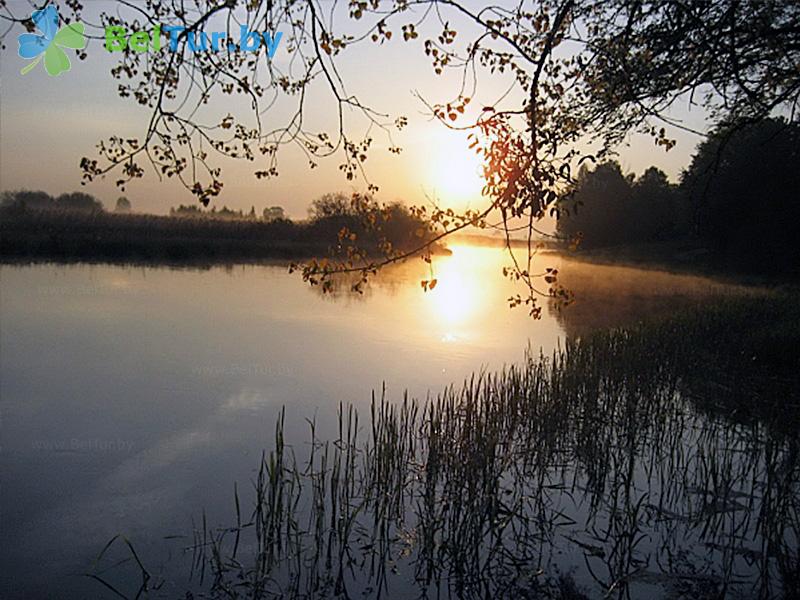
pixel 684 256
pixel 74 236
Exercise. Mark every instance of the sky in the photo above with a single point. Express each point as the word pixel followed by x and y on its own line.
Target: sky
pixel 48 123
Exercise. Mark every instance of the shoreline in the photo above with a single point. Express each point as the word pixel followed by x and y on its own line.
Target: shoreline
pixel 140 239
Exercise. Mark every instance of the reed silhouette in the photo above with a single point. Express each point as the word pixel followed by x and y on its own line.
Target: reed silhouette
pixel 634 461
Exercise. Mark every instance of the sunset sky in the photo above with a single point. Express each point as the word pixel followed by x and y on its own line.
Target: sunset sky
pixel 48 123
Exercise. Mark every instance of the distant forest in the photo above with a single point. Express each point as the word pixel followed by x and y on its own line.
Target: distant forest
pixel 38 200
pixel 739 196
pixel 75 227
pixel 83 202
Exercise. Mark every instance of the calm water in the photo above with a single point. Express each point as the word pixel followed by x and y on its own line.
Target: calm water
pixel 134 398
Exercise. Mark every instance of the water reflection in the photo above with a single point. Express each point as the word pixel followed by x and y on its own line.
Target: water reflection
pixel 188 369
pixel 553 480
pixel 460 300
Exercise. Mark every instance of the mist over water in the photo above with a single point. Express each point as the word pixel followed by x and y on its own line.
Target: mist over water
pixel 134 397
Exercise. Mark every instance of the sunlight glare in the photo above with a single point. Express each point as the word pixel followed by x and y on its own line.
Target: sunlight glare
pixel 458 298
pixel 456 172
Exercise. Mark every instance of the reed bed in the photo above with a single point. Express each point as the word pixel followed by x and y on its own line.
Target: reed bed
pixel 616 467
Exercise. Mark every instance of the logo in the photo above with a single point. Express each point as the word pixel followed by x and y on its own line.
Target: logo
pixel 50 43
pixel 118 39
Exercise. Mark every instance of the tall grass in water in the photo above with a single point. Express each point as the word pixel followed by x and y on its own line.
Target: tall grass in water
pixel 613 468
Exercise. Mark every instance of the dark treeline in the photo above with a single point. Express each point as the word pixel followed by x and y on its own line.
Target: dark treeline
pixel 73 201
pixel 29 200
pixel 613 208
pixel 738 197
pixel 35 225
pixel 271 213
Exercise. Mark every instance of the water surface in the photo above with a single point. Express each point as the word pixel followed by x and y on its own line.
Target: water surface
pixel 134 397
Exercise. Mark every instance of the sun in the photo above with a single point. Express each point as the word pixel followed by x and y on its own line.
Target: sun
pixel 455 171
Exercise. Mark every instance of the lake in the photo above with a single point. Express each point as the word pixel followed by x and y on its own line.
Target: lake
pixel 133 398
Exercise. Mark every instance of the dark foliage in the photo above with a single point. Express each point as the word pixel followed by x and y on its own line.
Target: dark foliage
pixel 610 208
pixel 93 235
pixel 79 201
pixel 743 184
pixel 738 197
pixel 38 200
pixel 335 204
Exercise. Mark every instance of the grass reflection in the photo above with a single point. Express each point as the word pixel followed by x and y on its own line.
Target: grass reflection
pixel 613 468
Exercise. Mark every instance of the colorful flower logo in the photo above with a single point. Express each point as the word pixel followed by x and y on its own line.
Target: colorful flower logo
pixel 51 42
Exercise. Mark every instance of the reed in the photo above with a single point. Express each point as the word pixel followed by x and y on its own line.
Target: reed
pixel 614 467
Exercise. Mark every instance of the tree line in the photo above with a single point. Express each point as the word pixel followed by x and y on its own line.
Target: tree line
pixel 738 196
pixel 72 201
pixel 34 224
pixel 270 213
pixel 580 69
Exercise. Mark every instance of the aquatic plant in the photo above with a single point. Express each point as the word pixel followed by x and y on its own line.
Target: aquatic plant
pixel 621 466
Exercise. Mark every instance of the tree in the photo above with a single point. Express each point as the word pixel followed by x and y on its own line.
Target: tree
pixel 743 184
pixel 123 205
pixel 37 200
pixel 658 208
pixel 611 208
pixel 601 211
pixel 581 69
pixel 332 204
pixel 186 211
pixel 229 214
pixel 274 213
pixel 78 201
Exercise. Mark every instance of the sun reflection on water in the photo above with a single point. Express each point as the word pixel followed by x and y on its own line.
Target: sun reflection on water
pixel 461 292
